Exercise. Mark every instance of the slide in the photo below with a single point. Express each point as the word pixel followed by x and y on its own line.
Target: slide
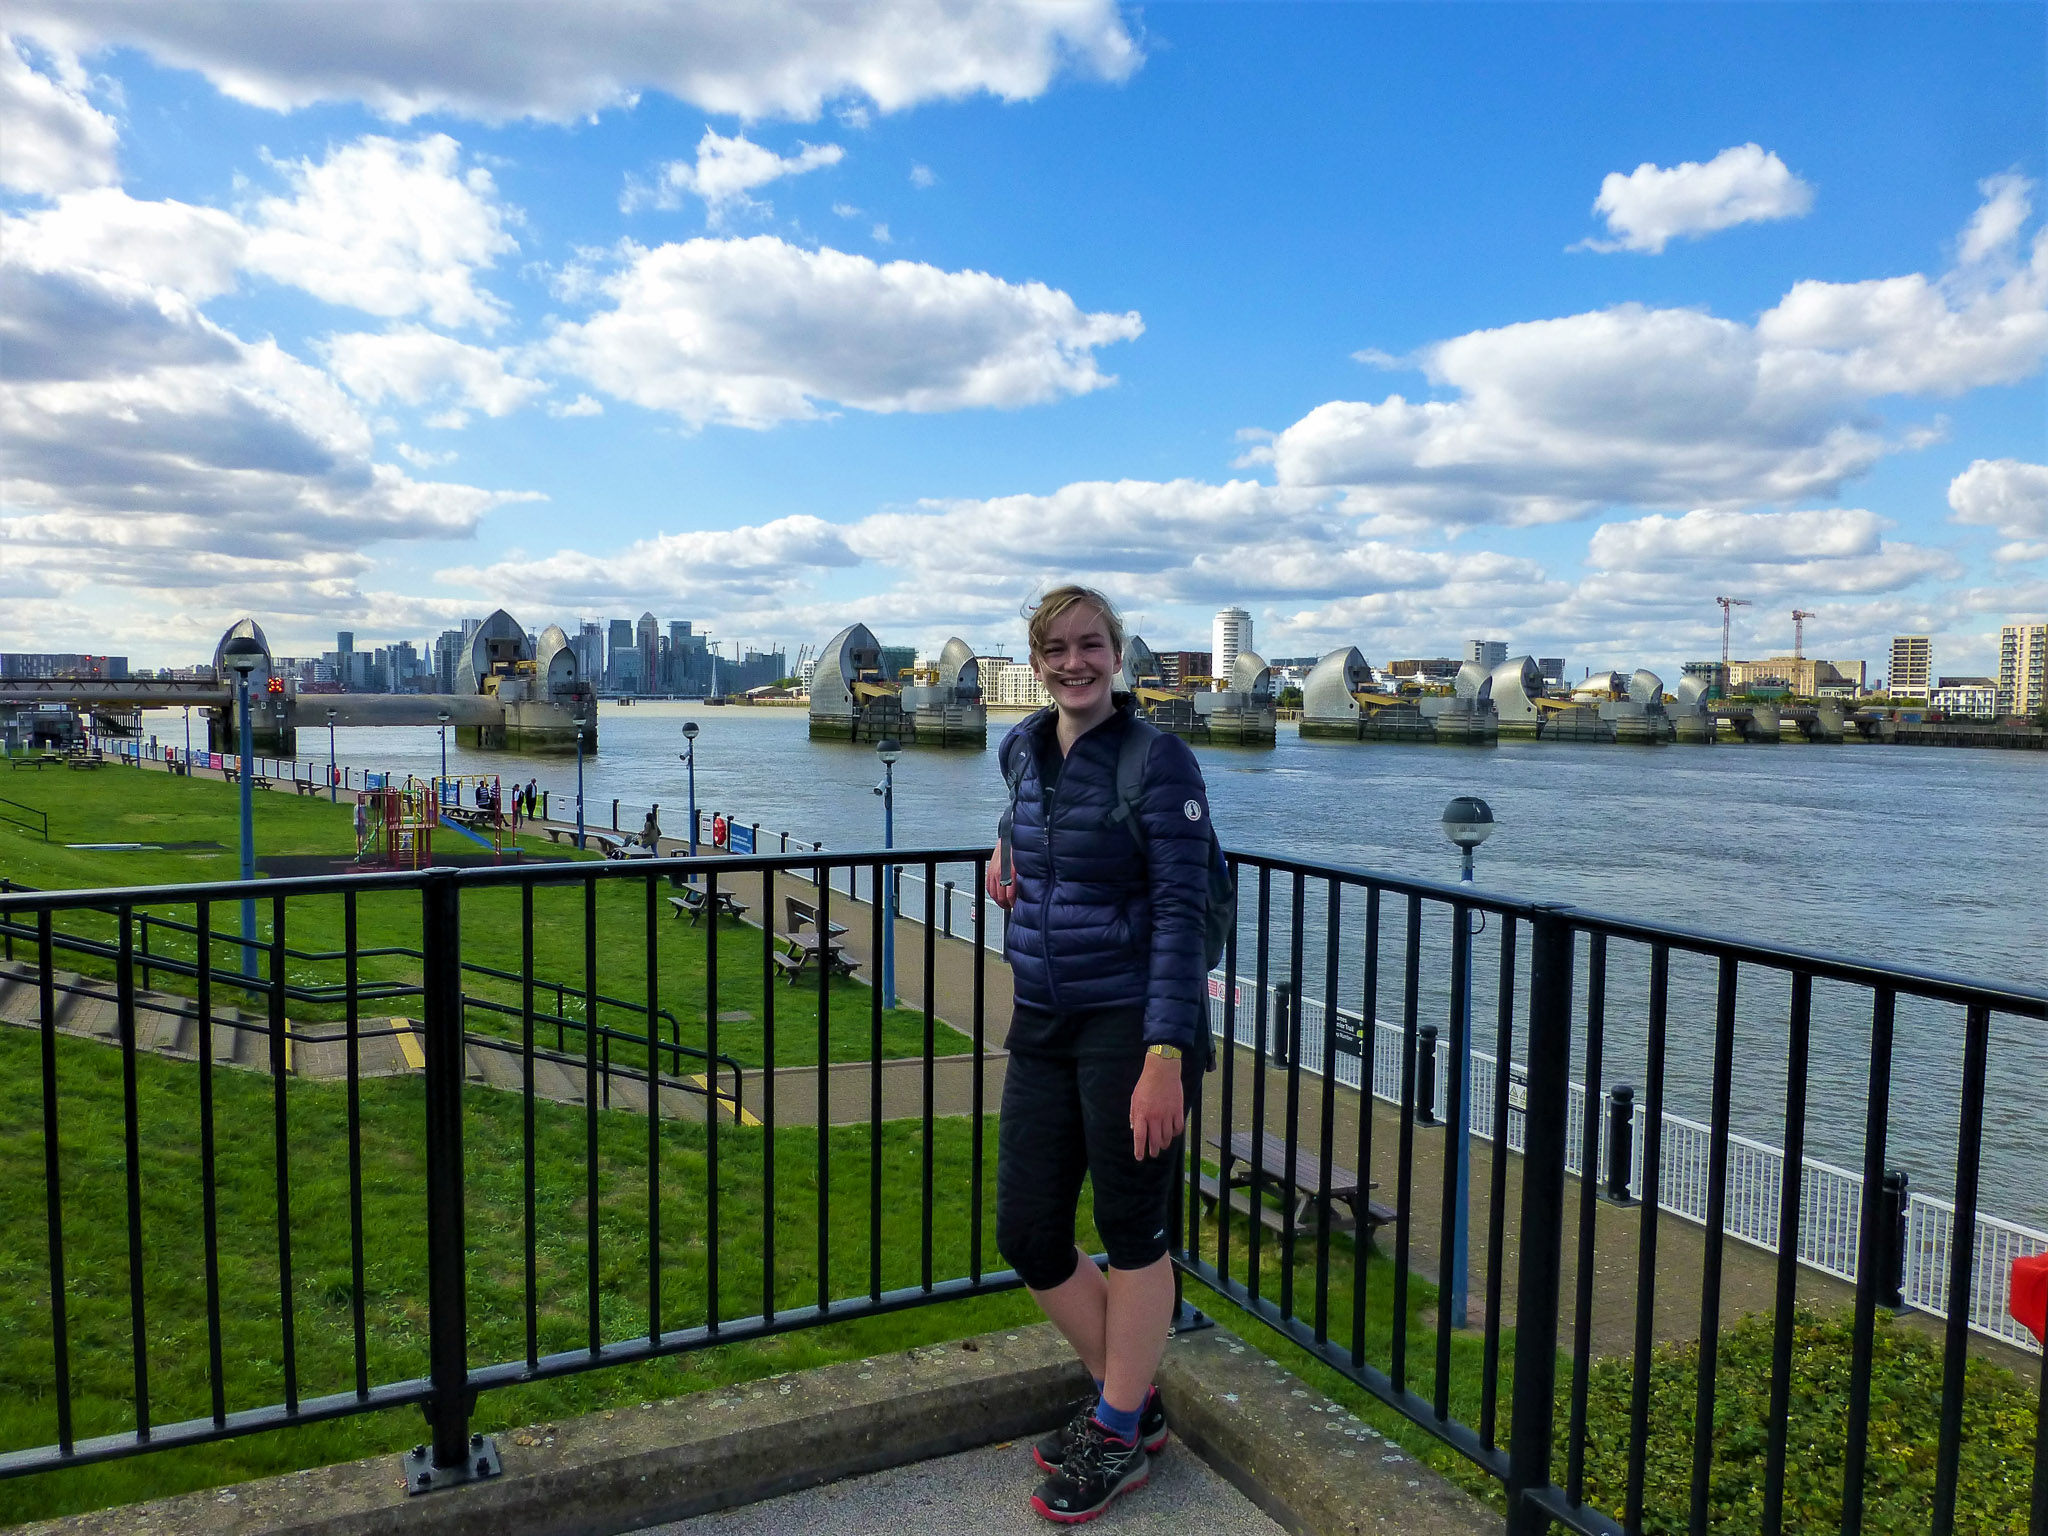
pixel 481 842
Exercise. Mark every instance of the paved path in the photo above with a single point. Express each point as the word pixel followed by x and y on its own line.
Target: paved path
pixel 986 1492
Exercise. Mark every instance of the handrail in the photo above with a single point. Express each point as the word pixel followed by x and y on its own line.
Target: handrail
pixel 41 825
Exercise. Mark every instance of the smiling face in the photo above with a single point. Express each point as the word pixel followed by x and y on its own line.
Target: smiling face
pixel 1077 662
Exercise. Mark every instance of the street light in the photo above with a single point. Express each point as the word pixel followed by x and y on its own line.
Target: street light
pixel 331 775
pixel 888 749
pixel 188 740
pixel 244 654
pixel 444 717
pixel 579 780
pixel 690 758
pixel 1468 822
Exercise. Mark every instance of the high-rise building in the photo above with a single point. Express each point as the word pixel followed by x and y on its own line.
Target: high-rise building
pixel 620 646
pixel 1552 668
pixel 1229 634
pixel 1489 653
pixel 896 660
pixel 1176 667
pixel 447 655
pixel 648 642
pixel 588 644
pixel 1912 672
pixel 2022 669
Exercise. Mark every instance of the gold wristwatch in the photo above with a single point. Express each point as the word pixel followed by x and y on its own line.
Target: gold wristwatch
pixel 1170 1052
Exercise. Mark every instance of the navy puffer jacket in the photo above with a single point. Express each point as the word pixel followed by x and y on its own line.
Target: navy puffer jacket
pixel 1095 924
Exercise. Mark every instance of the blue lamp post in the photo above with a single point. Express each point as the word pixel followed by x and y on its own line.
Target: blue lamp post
pixel 690 760
pixel 444 717
pixel 579 779
pixel 244 654
pixel 331 774
pixel 188 740
pixel 888 749
pixel 1468 822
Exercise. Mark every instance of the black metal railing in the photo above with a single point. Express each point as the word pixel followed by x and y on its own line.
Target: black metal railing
pixel 1552 989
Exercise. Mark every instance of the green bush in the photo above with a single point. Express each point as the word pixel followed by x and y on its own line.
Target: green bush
pixel 1995 1473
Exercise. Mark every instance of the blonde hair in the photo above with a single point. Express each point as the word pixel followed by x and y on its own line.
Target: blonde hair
pixel 1049 609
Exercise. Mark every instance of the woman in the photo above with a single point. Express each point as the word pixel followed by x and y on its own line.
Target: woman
pixel 1105 938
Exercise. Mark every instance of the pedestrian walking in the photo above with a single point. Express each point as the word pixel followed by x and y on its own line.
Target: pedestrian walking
pixel 1105 869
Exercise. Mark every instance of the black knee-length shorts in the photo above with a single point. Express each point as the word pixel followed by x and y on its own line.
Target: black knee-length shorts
pixel 1065 1116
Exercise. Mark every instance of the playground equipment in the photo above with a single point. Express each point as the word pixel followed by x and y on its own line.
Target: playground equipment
pixel 395 824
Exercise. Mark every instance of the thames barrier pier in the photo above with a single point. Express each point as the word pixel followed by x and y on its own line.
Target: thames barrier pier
pixel 853 697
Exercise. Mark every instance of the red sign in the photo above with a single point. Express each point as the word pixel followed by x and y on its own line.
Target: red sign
pixel 718 831
pixel 2028 1298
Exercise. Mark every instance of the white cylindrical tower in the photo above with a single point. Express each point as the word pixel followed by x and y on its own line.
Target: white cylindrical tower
pixel 1230 634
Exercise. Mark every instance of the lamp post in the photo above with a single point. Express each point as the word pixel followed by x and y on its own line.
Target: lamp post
pixel 444 717
pixel 244 654
pixel 579 779
pixel 690 760
pixel 1468 822
pixel 188 740
pixel 888 749
pixel 331 775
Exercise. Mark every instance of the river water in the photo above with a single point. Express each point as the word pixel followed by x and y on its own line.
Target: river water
pixel 1927 857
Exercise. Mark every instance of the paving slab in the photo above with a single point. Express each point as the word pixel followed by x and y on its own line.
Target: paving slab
pixel 987 1492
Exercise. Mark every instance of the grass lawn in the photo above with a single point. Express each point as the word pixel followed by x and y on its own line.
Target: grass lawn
pixel 96 1259
pixel 119 804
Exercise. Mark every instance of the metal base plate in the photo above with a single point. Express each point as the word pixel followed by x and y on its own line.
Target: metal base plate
pixel 422 1476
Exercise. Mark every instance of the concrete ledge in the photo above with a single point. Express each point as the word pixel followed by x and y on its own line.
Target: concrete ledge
pixel 632 1467
pixel 1302 1458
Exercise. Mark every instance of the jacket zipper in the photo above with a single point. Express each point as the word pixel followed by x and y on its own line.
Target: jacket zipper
pixel 1052 876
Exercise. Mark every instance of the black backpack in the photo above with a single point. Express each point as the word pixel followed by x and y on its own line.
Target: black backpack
pixel 1132 759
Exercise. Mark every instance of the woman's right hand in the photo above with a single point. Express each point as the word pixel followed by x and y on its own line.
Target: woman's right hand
pixel 1004 896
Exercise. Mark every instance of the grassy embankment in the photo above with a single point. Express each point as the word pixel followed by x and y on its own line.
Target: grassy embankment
pixel 119 804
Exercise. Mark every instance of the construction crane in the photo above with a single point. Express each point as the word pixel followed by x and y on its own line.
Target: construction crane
pixel 1799 618
pixel 1728 604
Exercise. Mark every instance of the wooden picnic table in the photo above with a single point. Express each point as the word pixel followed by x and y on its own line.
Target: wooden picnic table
pixel 689 899
pixel 1300 1183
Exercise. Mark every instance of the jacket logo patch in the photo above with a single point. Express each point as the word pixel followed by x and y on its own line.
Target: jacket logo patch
pixel 1193 810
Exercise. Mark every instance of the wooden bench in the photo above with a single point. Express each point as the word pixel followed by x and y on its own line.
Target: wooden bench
pixel 1301 1185
pixel 809 948
pixel 693 901
pixel 38 762
pixel 306 787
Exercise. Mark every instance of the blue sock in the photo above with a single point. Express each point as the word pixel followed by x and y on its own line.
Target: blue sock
pixel 1121 1422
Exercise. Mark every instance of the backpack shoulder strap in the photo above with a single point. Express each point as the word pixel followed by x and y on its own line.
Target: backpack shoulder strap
pixel 1132 758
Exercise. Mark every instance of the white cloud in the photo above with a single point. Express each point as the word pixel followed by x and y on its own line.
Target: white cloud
pixel 582 405
pixel 921 176
pixel 718 566
pixel 1651 206
pixel 1673 408
pixel 2008 495
pixel 422 458
pixel 880 234
pixel 498 61
pixel 171 467
pixel 389 228
pixel 752 332
pixel 414 366
pixel 1835 550
pixel 725 171
pixel 194 252
pixel 52 138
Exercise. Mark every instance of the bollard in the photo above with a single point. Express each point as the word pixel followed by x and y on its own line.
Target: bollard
pixel 1285 1035
pixel 949 909
pixel 1621 1144
pixel 785 842
pixel 1891 1242
pixel 615 815
pixel 1425 1075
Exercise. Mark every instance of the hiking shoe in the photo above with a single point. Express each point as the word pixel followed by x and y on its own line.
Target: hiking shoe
pixel 1053 1449
pixel 1099 1467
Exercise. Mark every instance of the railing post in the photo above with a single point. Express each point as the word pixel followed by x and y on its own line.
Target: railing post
pixel 615 815
pixel 1891 1241
pixel 1621 1144
pixel 1425 1075
pixel 1542 1226
pixel 949 909
pixel 455 1456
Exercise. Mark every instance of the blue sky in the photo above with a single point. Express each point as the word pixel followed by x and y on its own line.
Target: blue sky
pixel 775 321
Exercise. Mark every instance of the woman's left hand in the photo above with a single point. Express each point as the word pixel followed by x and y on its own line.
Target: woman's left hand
pixel 1157 1109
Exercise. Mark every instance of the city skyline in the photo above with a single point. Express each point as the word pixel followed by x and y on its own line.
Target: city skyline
pixel 1205 305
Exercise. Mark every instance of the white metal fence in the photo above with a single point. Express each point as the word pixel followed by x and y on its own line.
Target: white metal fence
pixel 1831 1198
